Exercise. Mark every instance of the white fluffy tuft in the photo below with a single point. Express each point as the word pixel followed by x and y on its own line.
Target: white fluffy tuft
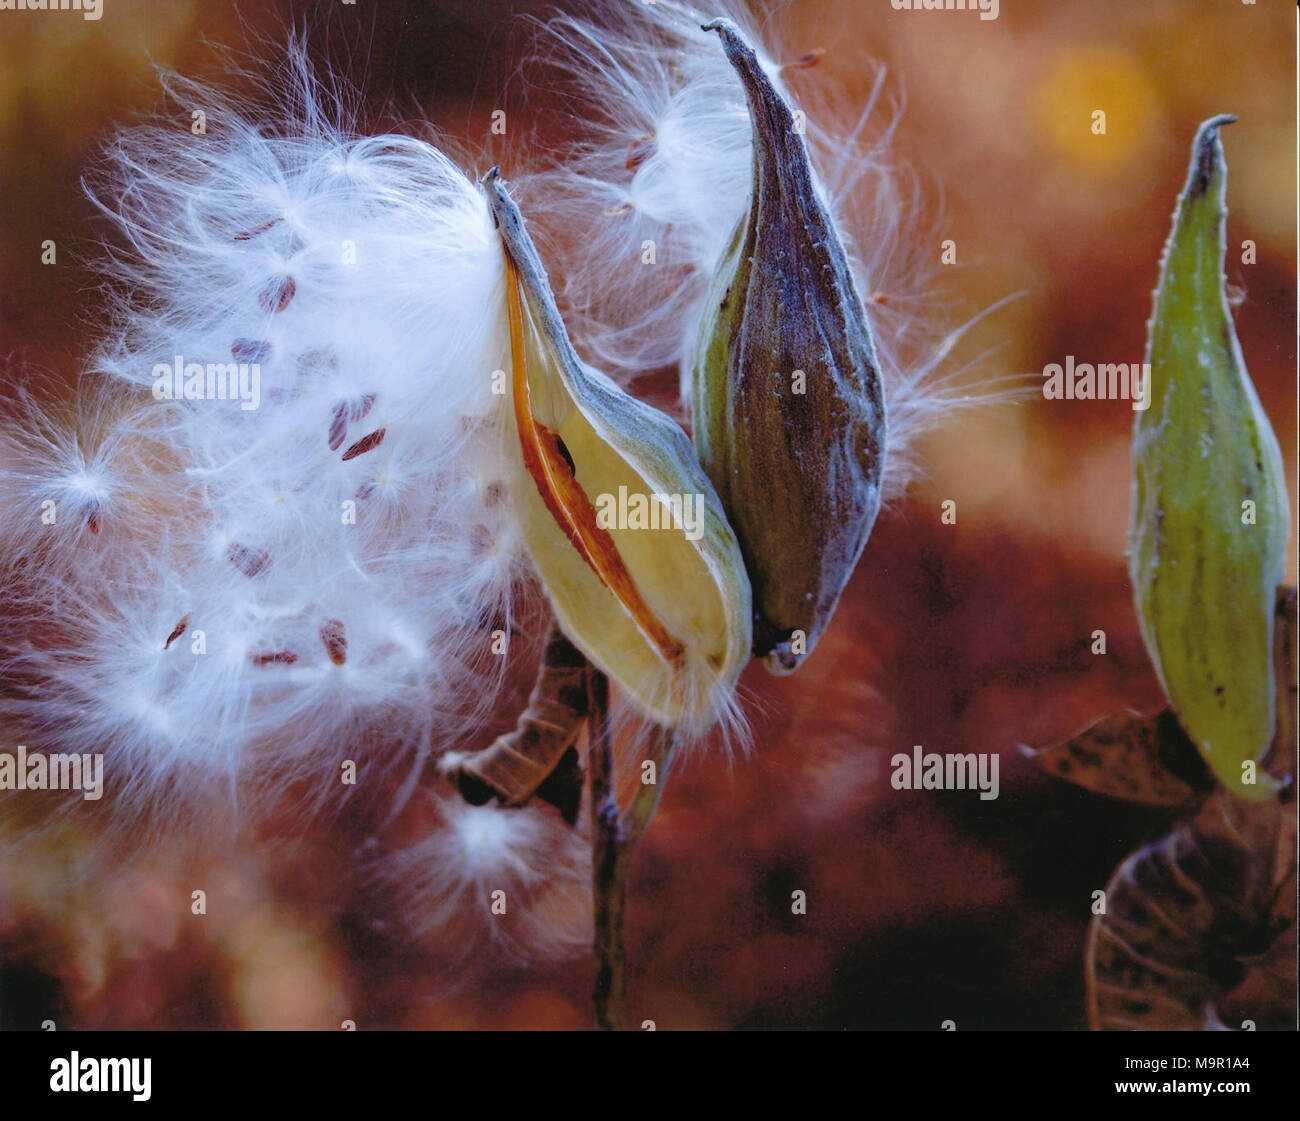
pixel 233 591
pixel 516 879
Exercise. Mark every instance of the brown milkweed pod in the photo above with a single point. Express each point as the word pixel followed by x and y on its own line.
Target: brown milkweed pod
pixel 787 400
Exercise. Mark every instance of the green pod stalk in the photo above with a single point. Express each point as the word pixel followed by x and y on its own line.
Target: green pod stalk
pixel 1210 518
pixel 788 407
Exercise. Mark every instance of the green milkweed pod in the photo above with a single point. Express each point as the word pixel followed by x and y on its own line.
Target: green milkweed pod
pixel 641 567
pixel 1210 518
pixel 787 401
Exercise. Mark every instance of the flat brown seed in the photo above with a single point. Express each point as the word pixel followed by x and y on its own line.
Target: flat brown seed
pixel 344 413
pixel 338 427
pixel 248 235
pixel 640 150
pixel 803 62
pixel 250 350
pixel 319 360
pixel 480 541
pixel 335 637
pixel 249 561
pixel 365 444
pixel 277 294
pixel 92 521
pixel 273 657
pixel 178 630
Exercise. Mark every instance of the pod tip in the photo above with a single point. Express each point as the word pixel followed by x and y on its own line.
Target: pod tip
pixel 1205 154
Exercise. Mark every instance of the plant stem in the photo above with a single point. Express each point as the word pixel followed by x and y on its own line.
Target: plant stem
pixel 608 882
pixel 613 838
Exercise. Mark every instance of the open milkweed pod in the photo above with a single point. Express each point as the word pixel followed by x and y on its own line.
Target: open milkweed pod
pixel 788 405
pixel 629 538
pixel 1210 520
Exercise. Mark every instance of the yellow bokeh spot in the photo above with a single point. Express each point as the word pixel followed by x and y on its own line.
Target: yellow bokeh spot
pixel 1077 84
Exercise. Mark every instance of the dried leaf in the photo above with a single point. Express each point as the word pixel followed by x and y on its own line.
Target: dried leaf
pixel 1146 759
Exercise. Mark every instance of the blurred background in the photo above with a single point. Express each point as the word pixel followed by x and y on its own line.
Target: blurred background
pixel 922 906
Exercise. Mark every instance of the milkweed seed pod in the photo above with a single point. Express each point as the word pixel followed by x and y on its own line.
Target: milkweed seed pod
pixel 1210 519
pixel 629 538
pixel 660 184
pixel 788 407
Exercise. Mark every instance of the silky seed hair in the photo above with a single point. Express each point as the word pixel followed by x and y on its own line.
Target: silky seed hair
pixel 490 885
pixel 230 591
